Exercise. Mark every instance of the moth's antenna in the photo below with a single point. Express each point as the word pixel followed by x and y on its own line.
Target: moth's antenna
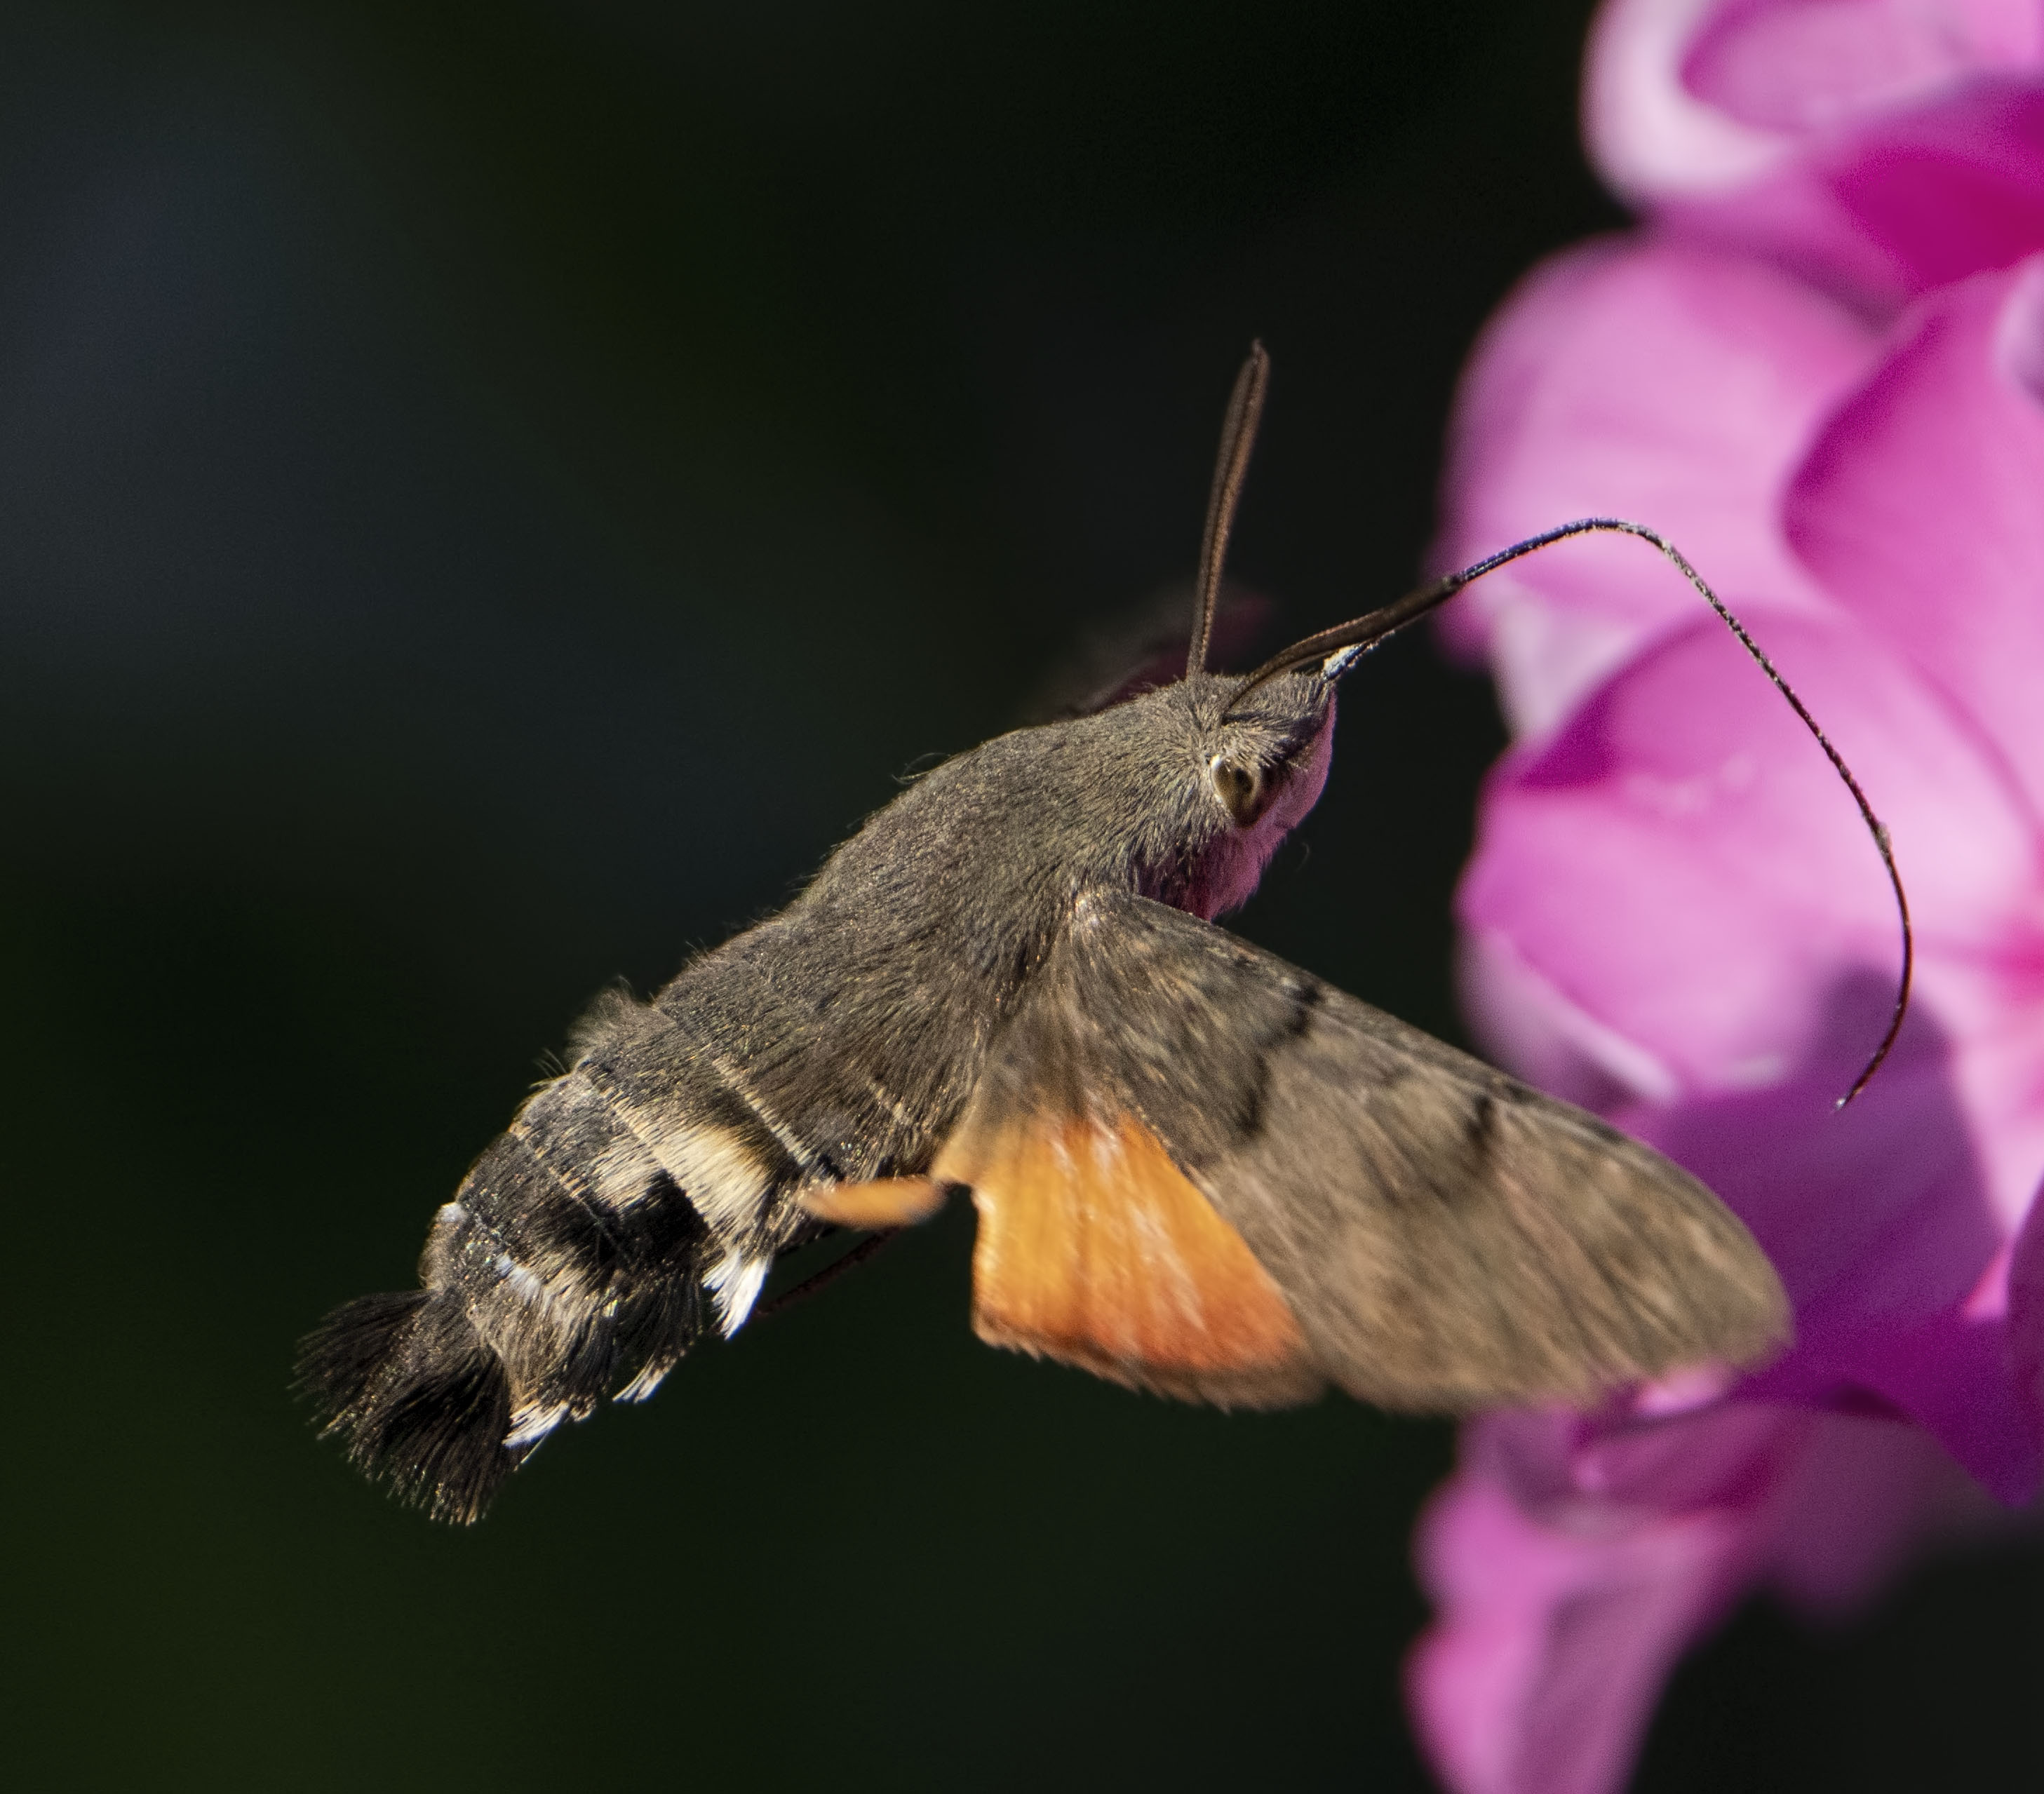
pixel 1238 437
pixel 1366 632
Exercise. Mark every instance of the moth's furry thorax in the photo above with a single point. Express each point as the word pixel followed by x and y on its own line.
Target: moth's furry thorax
pixel 1170 794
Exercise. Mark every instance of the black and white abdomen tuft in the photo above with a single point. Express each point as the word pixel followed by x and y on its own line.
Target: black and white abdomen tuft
pixel 632 1202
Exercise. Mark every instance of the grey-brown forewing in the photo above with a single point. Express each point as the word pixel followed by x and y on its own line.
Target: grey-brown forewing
pixel 1443 1236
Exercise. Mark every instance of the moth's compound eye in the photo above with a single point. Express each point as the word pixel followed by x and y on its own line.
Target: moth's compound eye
pixel 1241 789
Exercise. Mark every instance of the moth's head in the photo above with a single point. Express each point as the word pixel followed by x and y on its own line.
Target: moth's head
pixel 1209 787
pixel 1262 752
pixel 1219 767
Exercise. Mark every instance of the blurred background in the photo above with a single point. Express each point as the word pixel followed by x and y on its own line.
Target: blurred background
pixel 488 496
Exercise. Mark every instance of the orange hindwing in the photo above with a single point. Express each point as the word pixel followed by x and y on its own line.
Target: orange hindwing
pixel 1094 1249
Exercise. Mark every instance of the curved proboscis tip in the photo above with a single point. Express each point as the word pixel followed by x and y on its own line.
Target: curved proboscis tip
pixel 1337 650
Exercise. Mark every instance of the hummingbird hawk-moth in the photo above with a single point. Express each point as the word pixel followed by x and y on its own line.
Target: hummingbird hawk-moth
pixel 1198 1170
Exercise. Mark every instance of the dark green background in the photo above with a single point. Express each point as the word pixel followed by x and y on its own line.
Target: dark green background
pixel 487 495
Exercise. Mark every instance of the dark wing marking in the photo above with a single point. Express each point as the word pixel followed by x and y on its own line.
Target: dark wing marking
pixel 1447 1236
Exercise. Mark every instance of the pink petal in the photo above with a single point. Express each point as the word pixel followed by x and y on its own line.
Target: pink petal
pixel 1922 505
pixel 1571 1568
pixel 1954 188
pixel 1861 1496
pixel 1876 1218
pixel 1880 147
pixel 1953 1375
pixel 1689 99
pixel 1651 137
pixel 2026 1319
pixel 1900 206
pixel 1681 865
pixel 1882 1226
pixel 1669 385
pixel 1800 65
pixel 1677 895
pixel 1559 1620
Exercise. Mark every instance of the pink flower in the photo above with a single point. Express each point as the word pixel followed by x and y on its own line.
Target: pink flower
pixel 1674 915
pixel 1673 385
pixel 1576 1580
pixel 1883 146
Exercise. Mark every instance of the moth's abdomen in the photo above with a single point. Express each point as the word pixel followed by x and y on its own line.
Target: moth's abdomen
pixel 580 1257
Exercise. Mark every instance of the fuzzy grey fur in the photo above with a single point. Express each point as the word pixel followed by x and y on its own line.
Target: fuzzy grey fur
pixel 653 1184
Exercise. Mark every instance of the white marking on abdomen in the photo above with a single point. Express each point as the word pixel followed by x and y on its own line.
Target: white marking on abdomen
pixel 525 1284
pixel 646 1382
pixel 533 1422
pixel 734 1286
pixel 716 1169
